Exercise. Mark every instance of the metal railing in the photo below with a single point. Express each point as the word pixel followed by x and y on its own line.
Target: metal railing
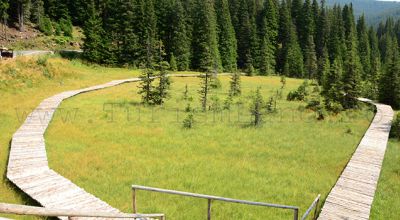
pixel 48 212
pixel 210 199
pixel 312 206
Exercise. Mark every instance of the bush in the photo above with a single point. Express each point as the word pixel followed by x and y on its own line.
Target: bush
pixel 300 94
pixel 189 121
pixel 395 132
pixel 42 61
pixel 45 26
pixel 66 27
pixel 57 29
pixel 334 107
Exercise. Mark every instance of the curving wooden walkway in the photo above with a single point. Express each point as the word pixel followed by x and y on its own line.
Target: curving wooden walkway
pixel 28 167
pixel 353 194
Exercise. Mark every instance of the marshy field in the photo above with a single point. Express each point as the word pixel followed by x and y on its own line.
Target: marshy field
pixel 105 141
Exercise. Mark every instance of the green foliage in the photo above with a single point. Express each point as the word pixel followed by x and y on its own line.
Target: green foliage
pixel 235 85
pixel 226 36
pixel 205 90
pixel 188 122
pixel 46 26
pixel 395 131
pixel 257 104
pixel 300 94
pixel 173 66
pixel 146 87
pixel 66 27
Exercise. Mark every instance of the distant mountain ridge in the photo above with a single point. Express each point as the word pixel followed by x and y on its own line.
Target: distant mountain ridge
pixel 375 11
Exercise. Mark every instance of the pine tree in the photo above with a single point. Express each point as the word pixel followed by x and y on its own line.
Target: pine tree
pixel 364 47
pixel 180 41
pixel 321 31
pixel 227 38
pixel 389 85
pixel 352 67
pixel 306 27
pixel 310 59
pixel 4 6
pixel 205 53
pixel 284 30
pixel 293 66
pixel 173 65
pixel 163 85
pixel 256 108
pixel 332 87
pixel 268 37
pixel 244 37
pixel 205 90
pixel 93 31
pixel 37 11
pixel 146 87
pixel 235 85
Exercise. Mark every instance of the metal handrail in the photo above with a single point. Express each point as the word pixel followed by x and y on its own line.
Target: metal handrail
pixel 49 212
pixel 210 199
pixel 312 206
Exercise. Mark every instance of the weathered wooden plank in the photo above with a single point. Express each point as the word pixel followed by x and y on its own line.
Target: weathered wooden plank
pixel 353 194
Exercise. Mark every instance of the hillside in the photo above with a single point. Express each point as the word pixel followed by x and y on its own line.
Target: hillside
pixel 375 11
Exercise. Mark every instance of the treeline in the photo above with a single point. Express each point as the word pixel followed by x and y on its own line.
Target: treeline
pixel 297 38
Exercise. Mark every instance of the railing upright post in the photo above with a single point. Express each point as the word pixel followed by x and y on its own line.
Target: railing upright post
pixel 296 214
pixel 316 210
pixel 134 201
pixel 209 209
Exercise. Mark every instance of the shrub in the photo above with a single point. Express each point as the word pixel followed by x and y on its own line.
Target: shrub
pixel 66 27
pixel 42 61
pixel 45 26
pixel 188 121
pixel 300 94
pixel 334 107
pixel 395 132
pixel 57 29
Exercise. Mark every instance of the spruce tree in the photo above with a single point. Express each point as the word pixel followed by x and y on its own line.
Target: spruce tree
pixel 205 90
pixel 244 37
pixel 93 31
pixel 180 41
pixel 389 85
pixel 4 6
pixel 256 108
pixel 268 37
pixel 226 36
pixel 205 53
pixel 37 11
pixel 364 47
pixel 146 87
pixel 352 66
pixel 332 87
pixel 293 66
pixel 310 59
pixel 235 85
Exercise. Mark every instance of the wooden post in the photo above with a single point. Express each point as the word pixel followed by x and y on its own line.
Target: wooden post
pixel 316 210
pixel 134 201
pixel 209 209
pixel 296 214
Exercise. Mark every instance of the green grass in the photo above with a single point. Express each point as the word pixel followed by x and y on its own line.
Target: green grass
pixel 289 160
pixel 23 90
pixel 387 198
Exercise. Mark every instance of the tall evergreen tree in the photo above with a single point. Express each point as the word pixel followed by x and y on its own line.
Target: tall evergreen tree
pixel 332 85
pixel 352 67
pixel 389 87
pixel 205 51
pixel 93 31
pixel 310 58
pixel 364 50
pixel 226 36
pixel 293 66
pixel 268 37
pixel 4 5
pixel 180 41
pixel 244 37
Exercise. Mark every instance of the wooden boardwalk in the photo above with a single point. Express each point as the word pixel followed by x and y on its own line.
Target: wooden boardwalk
pixel 28 167
pixel 353 194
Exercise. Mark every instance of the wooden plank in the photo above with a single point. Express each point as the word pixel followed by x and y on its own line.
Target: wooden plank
pixel 353 194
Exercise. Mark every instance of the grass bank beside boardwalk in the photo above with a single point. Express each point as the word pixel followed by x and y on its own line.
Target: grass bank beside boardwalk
pixel 387 198
pixel 110 142
pixel 24 83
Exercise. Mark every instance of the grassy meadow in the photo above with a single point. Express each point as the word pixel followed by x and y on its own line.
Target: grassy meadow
pixel 105 141
pixel 387 198
pixel 24 83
